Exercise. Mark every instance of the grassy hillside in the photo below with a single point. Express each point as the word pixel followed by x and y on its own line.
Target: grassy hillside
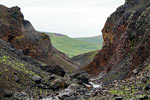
pixel 95 39
pixel 72 47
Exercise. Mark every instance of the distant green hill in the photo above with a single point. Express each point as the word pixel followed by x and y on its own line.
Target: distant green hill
pixel 95 39
pixel 71 46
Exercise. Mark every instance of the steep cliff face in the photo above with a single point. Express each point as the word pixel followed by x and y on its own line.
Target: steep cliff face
pixel 20 33
pixel 126 43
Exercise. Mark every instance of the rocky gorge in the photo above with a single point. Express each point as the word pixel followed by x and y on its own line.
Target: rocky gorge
pixel 32 69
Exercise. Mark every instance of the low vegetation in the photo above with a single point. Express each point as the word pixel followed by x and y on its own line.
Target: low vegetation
pixel 96 39
pixel 72 47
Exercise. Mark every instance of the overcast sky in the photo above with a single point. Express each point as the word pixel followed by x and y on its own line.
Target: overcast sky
pixel 75 18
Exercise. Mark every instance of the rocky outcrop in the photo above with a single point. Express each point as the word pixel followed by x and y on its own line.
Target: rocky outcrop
pixel 21 34
pixel 126 43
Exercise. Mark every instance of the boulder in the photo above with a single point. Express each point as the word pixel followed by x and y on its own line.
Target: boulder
pixel 135 71
pixel 82 77
pixel 63 95
pixel 37 79
pixel 57 70
pixel 58 84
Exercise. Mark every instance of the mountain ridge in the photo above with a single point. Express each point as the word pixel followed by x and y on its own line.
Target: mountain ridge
pixel 94 39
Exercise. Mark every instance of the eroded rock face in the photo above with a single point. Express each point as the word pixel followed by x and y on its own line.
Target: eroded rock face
pixel 126 37
pixel 21 34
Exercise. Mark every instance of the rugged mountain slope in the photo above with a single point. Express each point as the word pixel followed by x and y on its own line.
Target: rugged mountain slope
pixel 20 75
pixel 84 59
pixel 95 39
pixel 21 34
pixel 23 78
pixel 126 37
pixel 70 46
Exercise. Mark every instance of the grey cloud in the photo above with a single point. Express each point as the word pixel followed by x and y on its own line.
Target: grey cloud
pixel 72 17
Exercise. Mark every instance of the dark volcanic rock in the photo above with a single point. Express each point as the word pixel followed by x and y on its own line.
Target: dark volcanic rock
pixel 126 44
pixel 56 70
pixel 82 77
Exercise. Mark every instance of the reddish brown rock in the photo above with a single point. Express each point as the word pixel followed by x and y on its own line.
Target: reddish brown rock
pixel 126 44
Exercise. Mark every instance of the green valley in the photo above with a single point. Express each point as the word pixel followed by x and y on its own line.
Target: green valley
pixel 73 46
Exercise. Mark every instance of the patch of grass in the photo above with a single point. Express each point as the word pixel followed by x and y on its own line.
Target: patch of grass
pixel 4 58
pixel 93 54
pixel 15 64
pixel 148 67
pixel 116 92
